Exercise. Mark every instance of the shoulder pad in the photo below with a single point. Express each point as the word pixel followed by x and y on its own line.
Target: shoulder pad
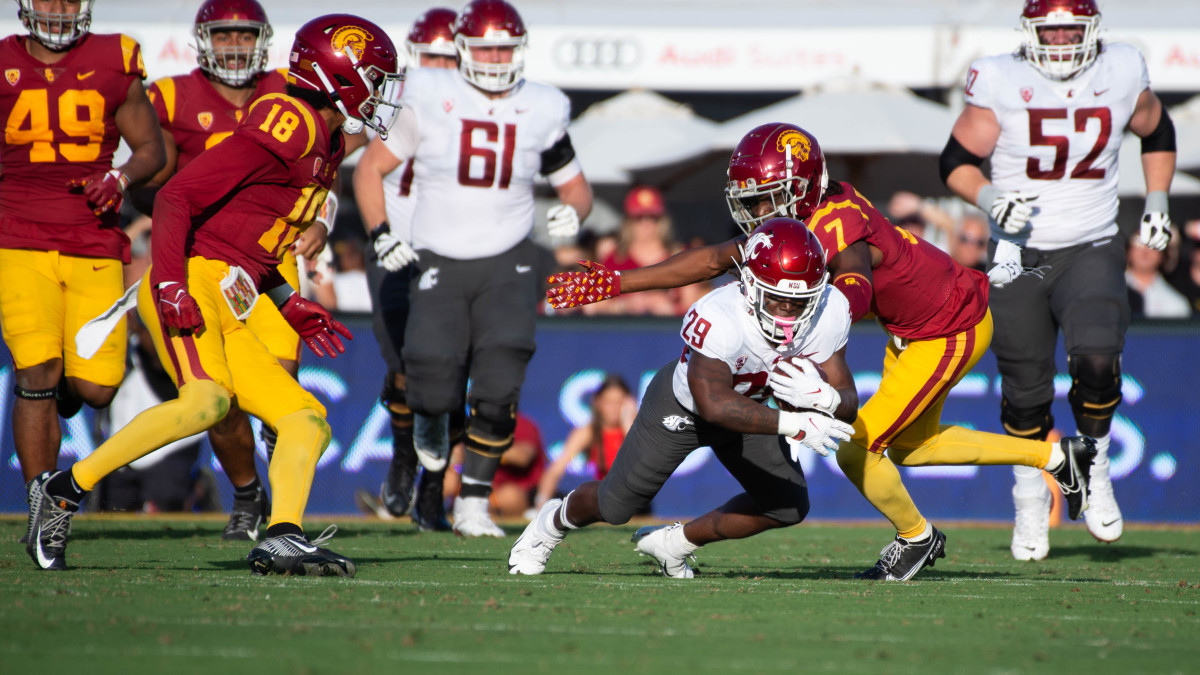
pixel 284 125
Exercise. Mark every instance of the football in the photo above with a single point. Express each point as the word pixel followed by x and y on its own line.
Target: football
pixel 796 361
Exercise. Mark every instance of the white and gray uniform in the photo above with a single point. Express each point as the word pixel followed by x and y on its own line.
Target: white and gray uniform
pixel 389 290
pixel 1059 140
pixel 667 428
pixel 474 292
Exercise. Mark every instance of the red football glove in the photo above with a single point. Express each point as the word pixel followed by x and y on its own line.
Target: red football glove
pixel 177 308
pixel 583 288
pixel 314 324
pixel 104 190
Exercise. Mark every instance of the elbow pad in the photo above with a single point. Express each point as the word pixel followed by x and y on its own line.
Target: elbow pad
pixel 1162 139
pixel 858 292
pixel 955 155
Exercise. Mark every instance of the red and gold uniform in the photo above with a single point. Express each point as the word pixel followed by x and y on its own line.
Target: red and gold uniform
pixel 198 117
pixel 61 265
pixel 937 311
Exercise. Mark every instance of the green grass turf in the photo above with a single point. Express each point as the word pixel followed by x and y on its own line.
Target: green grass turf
pixel 168 596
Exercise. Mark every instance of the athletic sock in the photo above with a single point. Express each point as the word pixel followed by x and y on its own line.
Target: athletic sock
pixel 925 533
pixel 249 491
pixel 562 514
pixel 1057 457
pixel 678 544
pixel 1029 482
pixel 280 529
pixel 64 485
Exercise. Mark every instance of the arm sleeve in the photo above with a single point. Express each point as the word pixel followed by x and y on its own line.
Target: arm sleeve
pixel 858 292
pixel 209 179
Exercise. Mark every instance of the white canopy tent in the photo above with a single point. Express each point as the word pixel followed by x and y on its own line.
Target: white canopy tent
pixel 1186 117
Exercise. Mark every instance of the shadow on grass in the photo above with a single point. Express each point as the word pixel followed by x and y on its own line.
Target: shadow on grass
pixel 1108 553
pixel 845 573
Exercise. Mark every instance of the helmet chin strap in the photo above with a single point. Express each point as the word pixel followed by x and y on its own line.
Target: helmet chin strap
pixel 352 125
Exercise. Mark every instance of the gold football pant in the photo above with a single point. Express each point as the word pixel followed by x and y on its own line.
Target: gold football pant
pixel 222 361
pixel 269 326
pixel 903 420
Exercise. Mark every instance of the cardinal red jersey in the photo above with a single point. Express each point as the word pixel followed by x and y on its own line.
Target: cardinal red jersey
pixel 60 125
pixel 197 115
pixel 246 199
pixel 920 292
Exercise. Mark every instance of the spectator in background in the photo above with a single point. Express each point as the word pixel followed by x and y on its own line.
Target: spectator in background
pixel 645 238
pixel 517 479
pixel 922 218
pixel 613 410
pixel 1186 276
pixel 1150 295
pixel 969 246
pixel 345 288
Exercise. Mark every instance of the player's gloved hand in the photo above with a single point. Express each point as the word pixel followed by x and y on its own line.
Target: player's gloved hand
pixel 1007 262
pixel 104 189
pixel 564 221
pixel 802 386
pixel 316 327
pixel 393 252
pixel 177 308
pixel 818 432
pixel 572 289
pixel 1156 224
pixel 1010 210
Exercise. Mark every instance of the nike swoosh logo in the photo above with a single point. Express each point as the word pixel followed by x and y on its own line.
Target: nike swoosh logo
pixel 84 76
pixel 1111 522
pixel 521 111
pixel 1030 548
pixel 522 269
pixel 97 268
pixel 1097 93
pixel 43 561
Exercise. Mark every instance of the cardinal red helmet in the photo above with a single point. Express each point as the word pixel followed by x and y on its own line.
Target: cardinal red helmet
pixel 432 33
pixel 236 15
pixel 490 23
pixel 352 61
pixel 782 259
pixel 1061 62
pixel 57 32
pixel 780 162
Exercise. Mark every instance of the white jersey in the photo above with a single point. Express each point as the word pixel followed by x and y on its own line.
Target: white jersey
pixel 475 160
pixel 1059 140
pixel 400 199
pixel 718 326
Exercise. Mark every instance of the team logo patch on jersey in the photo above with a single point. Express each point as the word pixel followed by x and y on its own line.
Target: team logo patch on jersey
pixel 798 143
pixel 49 75
pixel 13 76
pixel 354 37
pixel 447 105
pixel 1026 94
pixel 205 120
pixel 316 166
pixel 741 361
pixel 676 422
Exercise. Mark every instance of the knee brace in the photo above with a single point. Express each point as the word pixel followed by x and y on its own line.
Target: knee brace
pixel 34 394
pixel 1095 389
pixel 395 399
pixel 1033 423
pixel 490 427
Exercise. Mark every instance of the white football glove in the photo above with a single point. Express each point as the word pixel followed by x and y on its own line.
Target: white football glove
pixel 394 253
pixel 802 387
pixel 820 433
pixel 1010 210
pixel 1007 264
pixel 564 221
pixel 1156 224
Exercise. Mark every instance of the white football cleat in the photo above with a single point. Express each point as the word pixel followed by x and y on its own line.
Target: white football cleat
pixel 537 542
pixel 471 518
pixel 1031 534
pixel 1103 516
pixel 652 541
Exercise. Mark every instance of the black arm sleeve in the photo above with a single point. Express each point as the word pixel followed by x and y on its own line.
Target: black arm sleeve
pixel 1162 139
pixel 558 155
pixel 955 155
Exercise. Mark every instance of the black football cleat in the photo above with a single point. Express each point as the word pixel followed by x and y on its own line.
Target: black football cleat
pixel 396 493
pixel 1072 477
pixel 429 510
pixel 247 516
pixel 294 554
pixel 49 524
pixel 902 559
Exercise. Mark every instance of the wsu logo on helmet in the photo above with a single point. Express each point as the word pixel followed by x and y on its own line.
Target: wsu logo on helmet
pixel 354 37
pixel 756 241
pixel 801 146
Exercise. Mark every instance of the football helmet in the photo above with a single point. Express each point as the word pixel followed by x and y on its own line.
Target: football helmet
pixel 240 15
pixel 781 162
pixel 352 61
pixel 56 32
pixel 782 259
pixel 431 33
pixel 490 23
pixel 1061 62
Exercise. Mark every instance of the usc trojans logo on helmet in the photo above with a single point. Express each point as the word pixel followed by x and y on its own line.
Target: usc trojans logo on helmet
pixel 354 37
pixel 800 144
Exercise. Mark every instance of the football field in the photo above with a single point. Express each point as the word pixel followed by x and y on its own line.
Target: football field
pixel 168 596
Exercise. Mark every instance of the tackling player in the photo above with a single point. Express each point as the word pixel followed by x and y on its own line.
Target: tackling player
pixel 69 97
pixel 934 309
pixel 1051 116
pixel 220 227
pixel 714 396
pixel 476 137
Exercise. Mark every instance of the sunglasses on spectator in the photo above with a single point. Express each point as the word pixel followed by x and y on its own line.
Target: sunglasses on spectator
pixel 974 241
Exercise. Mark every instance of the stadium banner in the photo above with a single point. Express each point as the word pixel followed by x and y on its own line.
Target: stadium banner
pixel 1155 452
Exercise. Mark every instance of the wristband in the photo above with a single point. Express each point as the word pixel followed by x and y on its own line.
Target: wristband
pixel 279 294
pixel 1156 202
pixel 789 424
pixel 987 195
pixel 378 231
pixel 122 179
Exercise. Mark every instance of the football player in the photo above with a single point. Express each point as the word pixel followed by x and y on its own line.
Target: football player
pixel 220 227
pixel 1051 116
pixel 734 340
pixel 476 137
pixel 69 98
pixel 197 111
pixel 934 309
pixel 430 45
